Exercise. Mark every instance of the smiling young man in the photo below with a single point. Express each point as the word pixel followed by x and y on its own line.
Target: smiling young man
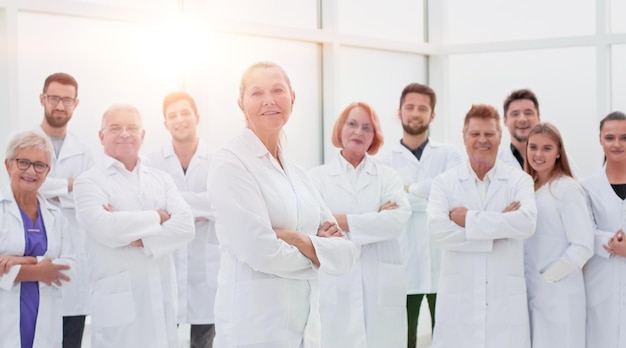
pixel 186 160
pixel 521 114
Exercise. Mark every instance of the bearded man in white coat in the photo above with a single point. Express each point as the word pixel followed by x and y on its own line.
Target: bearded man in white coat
pixel 479 214
pixel 186 160
pixel 135 219
pixel 59 98
pixel 418 159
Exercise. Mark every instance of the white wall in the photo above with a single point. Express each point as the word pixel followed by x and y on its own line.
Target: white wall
pixel 336 52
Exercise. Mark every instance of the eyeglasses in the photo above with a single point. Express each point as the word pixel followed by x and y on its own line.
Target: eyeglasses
pixel 54 100
pixel 38 166
pixel 116 129
pixel 367 128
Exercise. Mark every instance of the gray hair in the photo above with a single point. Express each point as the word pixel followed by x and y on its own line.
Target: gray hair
pixel 123 108
pixel 30 140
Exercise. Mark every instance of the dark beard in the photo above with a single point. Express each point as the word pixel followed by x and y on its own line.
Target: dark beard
pixel 520 139
pixel 52 122
pixel 412 131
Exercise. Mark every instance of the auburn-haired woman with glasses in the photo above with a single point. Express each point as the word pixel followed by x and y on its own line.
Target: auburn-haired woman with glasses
pixel 36 254
pixel 365 308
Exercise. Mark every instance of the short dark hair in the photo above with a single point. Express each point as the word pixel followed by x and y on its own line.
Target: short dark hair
pixel 176 96
pixel 520 94
pixel 613 116
pixel 482 111
pixel 62 78
pixel 420 89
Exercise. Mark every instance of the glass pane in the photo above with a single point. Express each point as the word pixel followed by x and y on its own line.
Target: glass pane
pixel 618 76
pixel 148 4
pixel 570 105
pixel 218 90
pixel 496 20
pixel 617 15
pixel 376 78
pixel 103 56
pixel 289 13
pixel 401 20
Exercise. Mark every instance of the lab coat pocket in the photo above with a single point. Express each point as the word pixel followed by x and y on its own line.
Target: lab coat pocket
pixel 213 264
pixel 112 302
pixel 261 312
pixel 598 273
pixel 391 284
pixel 449 304
pixel 328 289
pixel 516 303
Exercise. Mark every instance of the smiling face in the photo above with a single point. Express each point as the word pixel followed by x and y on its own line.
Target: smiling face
pixel 357 133
pixel 181 121
pixel 58 115
pixel 521 116
pixel 542 152
pixel 266 100
pixel 482 138
pixel 122 135
pixel 613 140
pixel 416 113
pixel 26 180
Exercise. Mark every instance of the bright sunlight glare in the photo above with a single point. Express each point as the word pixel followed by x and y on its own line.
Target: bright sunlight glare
pixel 177 46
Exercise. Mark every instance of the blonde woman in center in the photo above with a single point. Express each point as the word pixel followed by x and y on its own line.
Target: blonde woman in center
pixel 366 307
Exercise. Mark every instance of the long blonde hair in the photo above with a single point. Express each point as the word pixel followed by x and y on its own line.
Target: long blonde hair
pixel 561 166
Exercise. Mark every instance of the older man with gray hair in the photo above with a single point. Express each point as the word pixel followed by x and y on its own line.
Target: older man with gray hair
pixel 135 219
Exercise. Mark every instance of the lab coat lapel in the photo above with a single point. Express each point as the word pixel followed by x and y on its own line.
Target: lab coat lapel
pixel 46 217
pixel 335 175
pixel 466 180
pixel 365 178
pixel 7 195
pixel 199 156
pixel 496 185
pixel 70 148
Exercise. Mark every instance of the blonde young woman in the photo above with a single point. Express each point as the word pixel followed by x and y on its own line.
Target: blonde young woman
pixel 605 273
pixel 562 243
pixel 365 308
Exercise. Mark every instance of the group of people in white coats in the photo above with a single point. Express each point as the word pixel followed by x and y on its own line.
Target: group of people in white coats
pixel 521 269
pixel 104 249
pixel 341 256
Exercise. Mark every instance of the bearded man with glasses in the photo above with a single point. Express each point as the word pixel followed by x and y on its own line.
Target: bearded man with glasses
pixel 71 157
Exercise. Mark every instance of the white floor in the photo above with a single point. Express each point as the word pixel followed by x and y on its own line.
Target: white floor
pixel 423 332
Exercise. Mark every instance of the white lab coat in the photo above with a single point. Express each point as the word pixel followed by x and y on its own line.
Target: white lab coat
pixel 133 289
pixel 421 259
pixel 267 295
pixel 605 274
pixel 74 158
pixel 554 256
pixel 49 327
pixel 366 307
pixel 196 263
pixel 482 291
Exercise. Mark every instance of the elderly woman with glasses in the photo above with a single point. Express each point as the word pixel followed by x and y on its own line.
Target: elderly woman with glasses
pixel 36 255
pixel 366 307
